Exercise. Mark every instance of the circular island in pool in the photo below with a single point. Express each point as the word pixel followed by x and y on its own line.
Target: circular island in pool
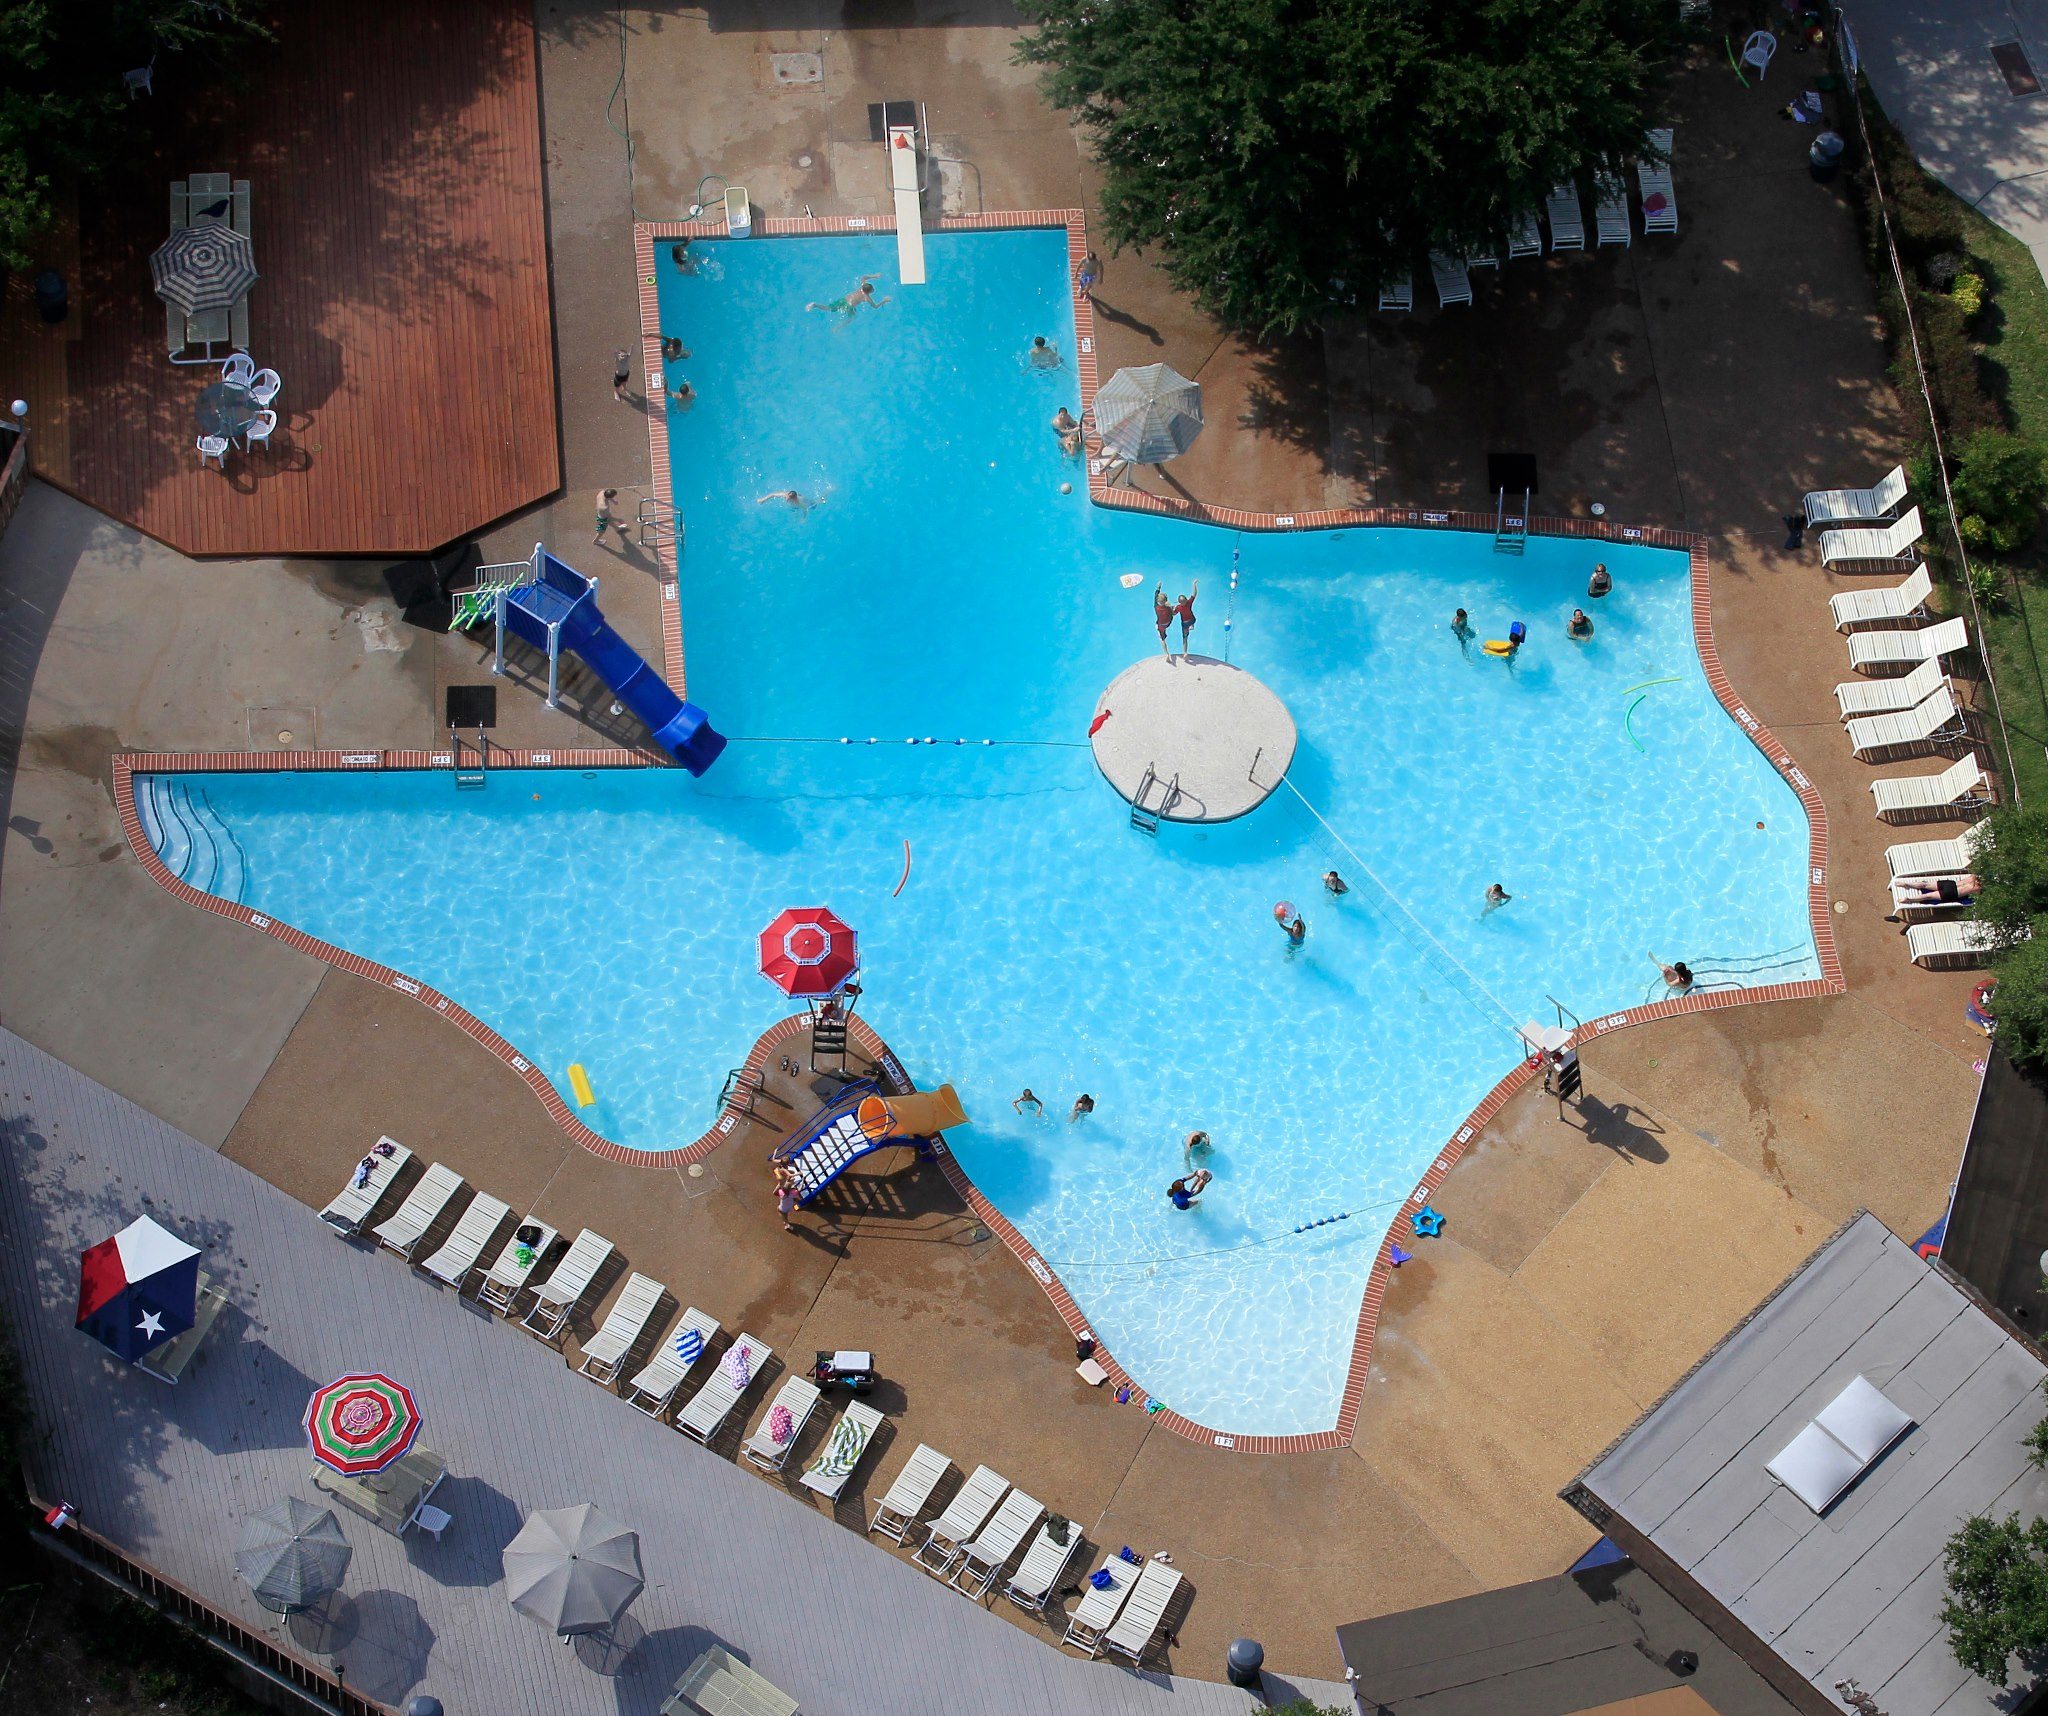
pixel 1187 738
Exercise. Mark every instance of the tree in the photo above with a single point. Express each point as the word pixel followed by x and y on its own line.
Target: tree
pixel 64 109
pixel 1999 484
pixel 1997 1603
pixel 1289 157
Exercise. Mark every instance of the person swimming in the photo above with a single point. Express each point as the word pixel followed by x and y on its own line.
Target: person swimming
pixel 1027 1100
pixel 1083 1104
pixel 1600 583
pixel 1678 976
pixel 1041 355
pixel 1297 930
pixel 1578 626
pixel 1334 883
pixel 1496 897
pixel 1196 1142
pixel 862 293
pixel 1461 627
pixel 1068 428
pixel 788 497
pixel 1183 1193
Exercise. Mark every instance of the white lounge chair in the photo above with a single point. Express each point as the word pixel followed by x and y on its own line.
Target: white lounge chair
pixel 1525 236
pixel 1100 1605
pixel 982 1561
pixel 456 1259
pixel 624 1324
pixel 1453 284
pixel 422 1207
pixel 1879 502
pixel 1567 219
pixel 1144 1613
pixel 655 1386
pixel 1880 696
pixel 1936 857
pixel 1897 541
pixel 1883 606
pixel 963 1516
pixel 1912 730
pixel 798 1396
pixel 1610 214
pixel 1483 259
pixel 1653 180
pixel 897 1511
pixel 1044 1565
pixel 845 1445
pixel 1958 788
pixel 1398 295
pixel 1868 650
pixel 356 1202
pixel 507 1278
pixel 712 1405
pixel 1950 946
pixel 555 1299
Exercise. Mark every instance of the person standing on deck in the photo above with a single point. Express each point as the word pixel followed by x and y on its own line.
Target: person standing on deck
pixel 1162 614
pixel 1185 609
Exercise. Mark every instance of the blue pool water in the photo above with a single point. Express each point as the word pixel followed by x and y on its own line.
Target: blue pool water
pixel 944 587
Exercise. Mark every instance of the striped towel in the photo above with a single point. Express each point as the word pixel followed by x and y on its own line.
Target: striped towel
pixel 842 1452
pixel 689 1345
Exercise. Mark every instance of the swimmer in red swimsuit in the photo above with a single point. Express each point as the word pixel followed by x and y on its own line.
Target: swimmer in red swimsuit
pixel 1185 608
pixel 1162 612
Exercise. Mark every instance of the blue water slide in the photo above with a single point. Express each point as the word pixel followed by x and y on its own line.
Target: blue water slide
pixel 565 601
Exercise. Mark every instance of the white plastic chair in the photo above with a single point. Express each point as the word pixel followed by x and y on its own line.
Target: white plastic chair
pixel 433 1520
pixel 239 371
pixel 214 447
pixel 263 386
pixel 1757 51
pixel 260 430
pixel 138 81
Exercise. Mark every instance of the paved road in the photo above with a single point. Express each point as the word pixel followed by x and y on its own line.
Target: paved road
pixel 169 1473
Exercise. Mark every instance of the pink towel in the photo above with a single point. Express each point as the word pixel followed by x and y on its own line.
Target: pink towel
pixel 780 1425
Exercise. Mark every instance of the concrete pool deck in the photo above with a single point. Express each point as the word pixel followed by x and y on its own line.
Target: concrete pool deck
pixel 1586 1262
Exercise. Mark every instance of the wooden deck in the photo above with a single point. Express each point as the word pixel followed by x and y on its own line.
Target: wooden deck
pixel 401 237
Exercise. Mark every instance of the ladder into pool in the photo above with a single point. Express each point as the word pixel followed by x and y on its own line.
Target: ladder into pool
pixel 1510 534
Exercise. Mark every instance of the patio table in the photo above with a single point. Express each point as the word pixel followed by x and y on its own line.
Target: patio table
pixel 390 1499
pixel 225 409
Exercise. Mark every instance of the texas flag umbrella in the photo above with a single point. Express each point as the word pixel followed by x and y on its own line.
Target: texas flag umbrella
pixel 361 1424
pixel 139 1289
pixel 807 953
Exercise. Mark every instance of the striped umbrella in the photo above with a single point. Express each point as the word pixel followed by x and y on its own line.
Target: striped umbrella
pixel 207 267
pixel 291 1555
pixel 1148 414
pixel 808 952
pixel 361 1424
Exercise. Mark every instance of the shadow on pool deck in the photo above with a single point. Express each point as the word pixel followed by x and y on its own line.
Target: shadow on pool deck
pixel 1700 381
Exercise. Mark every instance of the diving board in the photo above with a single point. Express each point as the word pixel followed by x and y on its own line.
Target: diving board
pixel 909 216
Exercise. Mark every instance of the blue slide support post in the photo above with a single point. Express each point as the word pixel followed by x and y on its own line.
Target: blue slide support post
pixel 559 611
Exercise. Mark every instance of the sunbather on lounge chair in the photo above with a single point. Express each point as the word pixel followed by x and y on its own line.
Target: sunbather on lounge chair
pixel 1936 890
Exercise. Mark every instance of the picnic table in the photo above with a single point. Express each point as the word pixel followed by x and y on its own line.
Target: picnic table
pixel 167 1363
pixel 719 1684
pixel 202 199
pixel 391 1499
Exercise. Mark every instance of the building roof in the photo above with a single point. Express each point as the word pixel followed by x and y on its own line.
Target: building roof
pixel 1852 1592
pixel 1605 1641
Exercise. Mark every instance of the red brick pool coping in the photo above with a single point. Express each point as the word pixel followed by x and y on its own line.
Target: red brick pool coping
pixel 646 235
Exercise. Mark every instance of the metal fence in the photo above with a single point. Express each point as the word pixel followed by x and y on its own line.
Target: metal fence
pixel 257 1651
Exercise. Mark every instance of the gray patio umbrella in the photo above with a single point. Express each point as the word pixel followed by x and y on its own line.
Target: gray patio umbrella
pixel 1148 414
pixel 203 268
pixel 573 1569
pixel 292 1555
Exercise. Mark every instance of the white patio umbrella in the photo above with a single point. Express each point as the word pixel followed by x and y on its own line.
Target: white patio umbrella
pixel 573 1569
pixel 1148 414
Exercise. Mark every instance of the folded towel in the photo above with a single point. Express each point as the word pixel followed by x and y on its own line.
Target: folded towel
pixel 737 1367
pixel 689 1345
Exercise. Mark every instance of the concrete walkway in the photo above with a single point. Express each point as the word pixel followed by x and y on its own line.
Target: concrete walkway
pixel 1930 63
pixel 170 1473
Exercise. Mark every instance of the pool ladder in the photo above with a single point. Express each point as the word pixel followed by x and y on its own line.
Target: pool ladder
pixel 475 774
pixel 1510 534
pixel 1144 818
pixel 659 521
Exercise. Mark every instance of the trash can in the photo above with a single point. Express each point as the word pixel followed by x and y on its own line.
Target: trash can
pixel 1824 158
pixel 53 297
pixel 1246 1657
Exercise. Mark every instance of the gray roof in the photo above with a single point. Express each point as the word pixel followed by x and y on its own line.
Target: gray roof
pixel 168 1473
pixel 1854 1592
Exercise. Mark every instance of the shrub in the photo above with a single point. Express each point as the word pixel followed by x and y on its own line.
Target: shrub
pixel 1987 583
pixel 1966 292
pixel 1997 1603
pixel 1999 485
pixel 1954 370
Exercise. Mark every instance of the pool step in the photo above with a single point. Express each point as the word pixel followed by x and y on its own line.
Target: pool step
pixel 1510 534
pixel 189 836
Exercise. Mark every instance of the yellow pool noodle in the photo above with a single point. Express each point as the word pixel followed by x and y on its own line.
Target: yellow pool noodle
pixel 579 1082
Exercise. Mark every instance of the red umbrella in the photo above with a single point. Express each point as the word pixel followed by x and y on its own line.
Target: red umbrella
pixel 807 952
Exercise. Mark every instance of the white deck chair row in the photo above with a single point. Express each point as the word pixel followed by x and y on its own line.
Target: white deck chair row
pixel 1882 696
pixel 798 1396
pixel 430 1195
pixel 1878 549
pixel 555 1299
pixel 1921 728
pixel 1883 605
pixel 604 1354
pixel 458 1256
pixel 1871 650
pixel 1958 789
pixel 355 1203
pixel 1873 505
pixel 961 1518
pixel 1936 857
pixel 981 1562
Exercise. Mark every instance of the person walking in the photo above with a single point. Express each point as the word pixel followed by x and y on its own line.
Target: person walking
pixel 1184 609
pixel 1091 272
pixel 605 520
pixel 785 1195
pixel 622 372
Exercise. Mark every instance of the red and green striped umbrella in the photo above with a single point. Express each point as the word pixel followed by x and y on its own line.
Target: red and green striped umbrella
pixel 360 1424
